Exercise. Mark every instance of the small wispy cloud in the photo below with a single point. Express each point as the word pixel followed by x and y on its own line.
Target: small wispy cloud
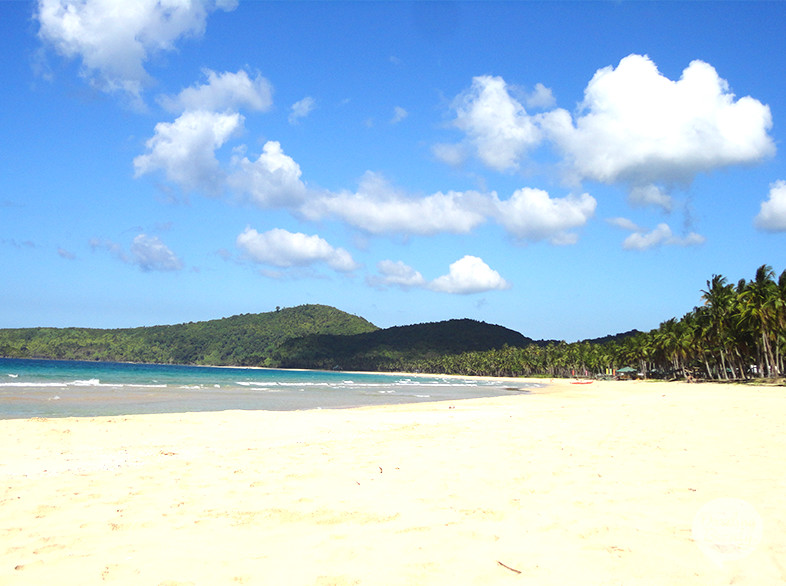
pixel 148 253
pixel 661 235
pixel 398 274
pixel 18 244
pixel 66 254
pixel 301 109
pixel 399 114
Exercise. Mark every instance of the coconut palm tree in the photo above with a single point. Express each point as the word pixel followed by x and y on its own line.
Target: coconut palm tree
pixel 719 299
pixel 759 312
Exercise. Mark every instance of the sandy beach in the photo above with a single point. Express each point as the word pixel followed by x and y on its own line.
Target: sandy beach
pixel 605 483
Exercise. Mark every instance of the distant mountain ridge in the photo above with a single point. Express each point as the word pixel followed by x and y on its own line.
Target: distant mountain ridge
pixel 613 337
pixel 385 349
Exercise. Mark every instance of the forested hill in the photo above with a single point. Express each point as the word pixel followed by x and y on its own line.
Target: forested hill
pixel 613 337
pixel 397 347
pixel 243 340
pixel 308 336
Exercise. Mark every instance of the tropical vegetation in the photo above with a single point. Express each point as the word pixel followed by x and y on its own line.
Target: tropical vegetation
pixel 738 332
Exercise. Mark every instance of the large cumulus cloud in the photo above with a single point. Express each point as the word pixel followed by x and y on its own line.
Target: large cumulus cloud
pixel 634 127
pixel 638 127
pixel 114 39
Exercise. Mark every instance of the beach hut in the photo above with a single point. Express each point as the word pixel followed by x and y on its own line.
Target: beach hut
pixel 626 372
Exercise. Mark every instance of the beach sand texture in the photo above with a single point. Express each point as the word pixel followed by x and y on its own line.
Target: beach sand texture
pixel 609 483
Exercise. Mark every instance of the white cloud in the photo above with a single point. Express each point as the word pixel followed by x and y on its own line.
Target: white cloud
pixel 185 149
pixel 639 127
pixel 114 39
pixel 660 235
pixel 643 241
pixel 634 127
pixel 772 215
pixel 223 91
pixel 469 275
pixel 285 249
pixel 111 247
pixel 531 214
pixel 377 207
pixel 399 114
pixel 148 253
pixel 496 125
pixel 540 98
pixel 625 224
pixel 452 154
pixel 397 273
pixel 273 180
pixel 301 109
pixel 643 195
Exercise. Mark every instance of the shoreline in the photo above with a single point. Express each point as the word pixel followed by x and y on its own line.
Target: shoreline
pixel 616 477
pixel 114 389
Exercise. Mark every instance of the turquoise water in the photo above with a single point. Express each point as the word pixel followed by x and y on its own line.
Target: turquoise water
pixel 52 388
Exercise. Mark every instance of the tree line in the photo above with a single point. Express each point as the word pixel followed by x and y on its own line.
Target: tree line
pixel 739 332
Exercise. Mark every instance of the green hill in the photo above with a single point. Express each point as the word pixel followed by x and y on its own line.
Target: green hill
pixel 244 340
pixel 308 336
pixel 397 347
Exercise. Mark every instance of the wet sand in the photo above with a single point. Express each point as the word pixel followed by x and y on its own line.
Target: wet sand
pixel 606 483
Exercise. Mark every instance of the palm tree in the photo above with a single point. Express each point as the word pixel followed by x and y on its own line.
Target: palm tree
pixel 759 311
pixel 667 341
pixel 719 299
pixel 780 322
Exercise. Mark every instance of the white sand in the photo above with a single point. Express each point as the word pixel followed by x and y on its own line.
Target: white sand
pixel 575 484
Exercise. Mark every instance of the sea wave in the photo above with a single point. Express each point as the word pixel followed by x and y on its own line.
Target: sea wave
pixel 93 382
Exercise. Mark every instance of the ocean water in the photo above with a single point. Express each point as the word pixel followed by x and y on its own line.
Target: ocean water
pixel 53 388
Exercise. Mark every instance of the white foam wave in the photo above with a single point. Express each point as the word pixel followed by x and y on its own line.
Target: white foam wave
pixel 93 382
pixel 42 385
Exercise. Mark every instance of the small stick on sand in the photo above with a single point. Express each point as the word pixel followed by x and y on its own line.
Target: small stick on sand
pixel 508 567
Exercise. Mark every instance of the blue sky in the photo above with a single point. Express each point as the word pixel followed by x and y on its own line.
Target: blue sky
pixel 565 170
